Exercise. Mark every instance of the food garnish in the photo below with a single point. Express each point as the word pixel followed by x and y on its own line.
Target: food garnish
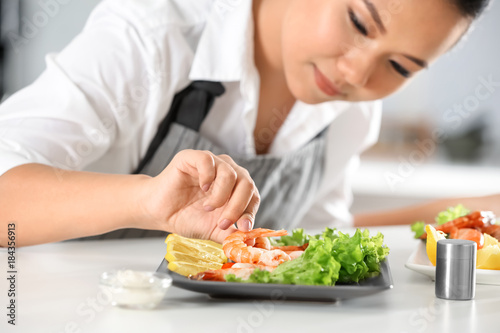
pixel 188 256
pixel 489 256
pixel 329 258
pixel 459 223
pixel 470 226
pixel 433 236
pixel 445 216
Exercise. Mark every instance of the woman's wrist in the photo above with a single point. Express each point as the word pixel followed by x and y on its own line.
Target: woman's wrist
pixel 139 200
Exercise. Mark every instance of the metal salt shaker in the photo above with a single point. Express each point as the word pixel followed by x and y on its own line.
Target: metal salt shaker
pixel 456 269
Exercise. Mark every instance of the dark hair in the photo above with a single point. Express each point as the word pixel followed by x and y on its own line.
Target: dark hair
pixel 471 8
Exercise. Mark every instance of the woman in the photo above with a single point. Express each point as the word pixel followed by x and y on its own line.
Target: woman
pixel 287 88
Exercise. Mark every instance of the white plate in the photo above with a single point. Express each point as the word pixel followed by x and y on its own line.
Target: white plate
pixel 419 262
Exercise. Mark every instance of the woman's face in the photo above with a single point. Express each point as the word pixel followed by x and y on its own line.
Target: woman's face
pixel 360 50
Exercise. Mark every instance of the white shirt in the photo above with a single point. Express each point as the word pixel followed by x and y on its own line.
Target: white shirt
pixel 98 104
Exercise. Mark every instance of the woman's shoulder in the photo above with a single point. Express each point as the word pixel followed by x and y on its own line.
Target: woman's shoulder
pixel 153 14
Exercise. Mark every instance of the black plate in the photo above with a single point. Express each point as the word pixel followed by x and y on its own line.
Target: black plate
pixel 279 292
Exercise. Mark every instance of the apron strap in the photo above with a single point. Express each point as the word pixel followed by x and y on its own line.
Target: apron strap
pixel 189 108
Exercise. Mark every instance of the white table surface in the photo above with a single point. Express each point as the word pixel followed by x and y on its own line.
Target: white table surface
pixel 58 292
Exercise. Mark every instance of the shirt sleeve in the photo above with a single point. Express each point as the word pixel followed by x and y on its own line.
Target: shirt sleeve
pixel 354 131
pixel 92 95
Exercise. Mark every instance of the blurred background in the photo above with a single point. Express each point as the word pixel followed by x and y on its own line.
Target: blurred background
pixel 439 135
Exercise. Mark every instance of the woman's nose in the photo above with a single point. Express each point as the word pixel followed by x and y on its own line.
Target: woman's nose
pixel 356 67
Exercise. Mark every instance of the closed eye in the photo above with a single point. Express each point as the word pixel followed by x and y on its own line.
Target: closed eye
pixel 357 24
pixel 400 69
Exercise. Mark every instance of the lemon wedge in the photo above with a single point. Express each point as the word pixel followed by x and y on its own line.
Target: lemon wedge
pixel 187 268
pixel 489 240
pixel 489 256
pixel 187 256
pixel 433 236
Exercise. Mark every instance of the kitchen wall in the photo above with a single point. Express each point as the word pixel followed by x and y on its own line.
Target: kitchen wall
pixel 460 90
pixel 45 26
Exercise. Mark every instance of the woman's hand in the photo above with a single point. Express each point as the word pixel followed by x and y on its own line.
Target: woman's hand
pixel 201 195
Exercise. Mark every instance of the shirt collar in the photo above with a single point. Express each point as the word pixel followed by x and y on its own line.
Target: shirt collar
pixel 304 122
pixel 225 48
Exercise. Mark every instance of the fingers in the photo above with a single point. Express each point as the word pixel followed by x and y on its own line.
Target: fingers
pixel 225 182
pixel 229 187
pixel 242 204
pixel 237 205
pixel 197 164
pixel 218 235
pixel 247 220
pixel 206 169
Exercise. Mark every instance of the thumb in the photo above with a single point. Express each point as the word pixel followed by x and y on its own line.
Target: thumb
pixel 219 235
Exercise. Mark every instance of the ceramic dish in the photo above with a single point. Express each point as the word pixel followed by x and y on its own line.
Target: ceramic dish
pixel 283 291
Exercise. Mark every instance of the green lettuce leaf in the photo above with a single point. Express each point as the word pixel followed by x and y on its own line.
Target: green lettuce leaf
pixel 315 267
pixel 297 238
pixel 258 276
pixel 418 228
pixel 359 255
pixel 451 213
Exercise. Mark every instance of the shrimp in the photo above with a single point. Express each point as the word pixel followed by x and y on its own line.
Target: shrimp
pixel 240 270
pixel 469 234
pixel 291 248
pixel 475 219
pixel 263 243
pixel 295 254
pixel 235 248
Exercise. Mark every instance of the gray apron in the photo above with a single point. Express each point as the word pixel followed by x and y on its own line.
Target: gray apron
pixel 287 184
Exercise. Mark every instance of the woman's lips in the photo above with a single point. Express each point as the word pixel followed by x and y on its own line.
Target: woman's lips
pixel 324 84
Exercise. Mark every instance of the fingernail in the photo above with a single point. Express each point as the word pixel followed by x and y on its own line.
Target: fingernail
pixel 246 225
pixel 224 224
pixel 206 187
pixel 208 208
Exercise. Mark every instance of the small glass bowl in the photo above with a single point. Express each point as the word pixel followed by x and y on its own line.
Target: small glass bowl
pixel 135 289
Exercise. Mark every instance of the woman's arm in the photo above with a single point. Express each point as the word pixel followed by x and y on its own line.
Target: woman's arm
pixel 426 212
pixel 48 204
pixel 192 196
